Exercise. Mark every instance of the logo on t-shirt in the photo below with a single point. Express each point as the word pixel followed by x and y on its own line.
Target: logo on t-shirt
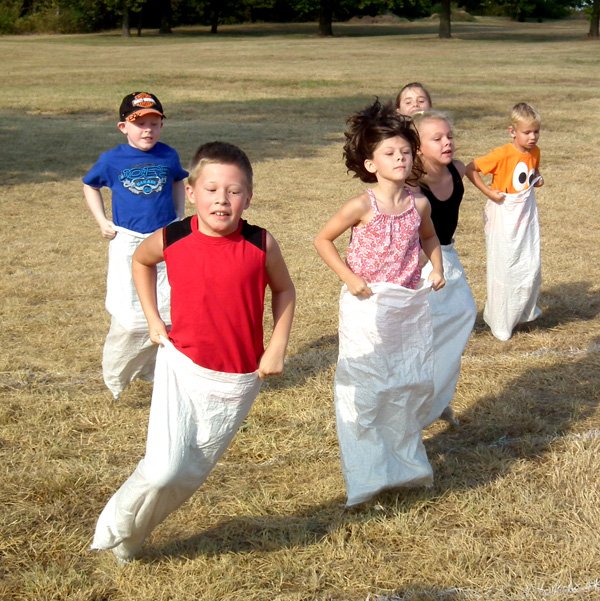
pixel 145 179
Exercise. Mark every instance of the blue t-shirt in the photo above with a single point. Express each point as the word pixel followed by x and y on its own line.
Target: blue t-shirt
pixel 141 183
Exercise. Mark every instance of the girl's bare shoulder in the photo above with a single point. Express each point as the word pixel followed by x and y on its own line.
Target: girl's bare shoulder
pixel 460 167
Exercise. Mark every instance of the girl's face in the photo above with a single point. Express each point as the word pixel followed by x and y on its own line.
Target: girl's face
pixel 392 160
pixel 413 100
pixel 437 141
pixel 220 193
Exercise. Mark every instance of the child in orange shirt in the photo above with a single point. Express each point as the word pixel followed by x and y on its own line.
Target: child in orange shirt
pixel 511 224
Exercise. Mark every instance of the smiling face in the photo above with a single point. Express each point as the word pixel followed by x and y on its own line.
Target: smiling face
pixel 412 100
pixel 392 160
pixel 221 193
pixel 437 141
pixel 525 135
pixel 144 132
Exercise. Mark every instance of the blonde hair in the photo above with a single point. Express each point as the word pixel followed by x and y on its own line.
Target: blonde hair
pixel 524 113
pixel 420 117
pixel 219 152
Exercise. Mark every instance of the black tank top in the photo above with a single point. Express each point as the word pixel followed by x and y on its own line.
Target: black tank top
pixel 444 213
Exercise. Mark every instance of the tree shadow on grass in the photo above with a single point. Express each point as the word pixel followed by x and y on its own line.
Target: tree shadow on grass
pixel 67 145
pixel 522 421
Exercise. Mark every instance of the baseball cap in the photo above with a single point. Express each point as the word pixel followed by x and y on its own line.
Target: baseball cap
pixel 136 104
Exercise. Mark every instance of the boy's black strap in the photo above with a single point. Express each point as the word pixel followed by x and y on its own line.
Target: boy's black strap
pixel 180 229
pixel 176 231
pixel 255 235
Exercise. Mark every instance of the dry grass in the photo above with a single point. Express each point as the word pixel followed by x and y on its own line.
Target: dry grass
pixel 514 513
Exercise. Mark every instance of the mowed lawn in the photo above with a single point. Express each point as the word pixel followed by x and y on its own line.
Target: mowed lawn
pixel 514 513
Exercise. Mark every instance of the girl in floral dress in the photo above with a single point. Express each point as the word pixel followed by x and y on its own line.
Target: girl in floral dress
pixel 384 376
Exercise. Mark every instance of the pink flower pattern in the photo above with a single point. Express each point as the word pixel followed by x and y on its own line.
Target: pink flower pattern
pixel 387 248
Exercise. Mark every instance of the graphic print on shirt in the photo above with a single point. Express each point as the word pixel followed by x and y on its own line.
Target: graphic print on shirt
pixel 522 177
pixel 144 179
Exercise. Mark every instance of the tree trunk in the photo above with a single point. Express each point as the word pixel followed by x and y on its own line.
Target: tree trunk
pixel 445 15
pixel 26 8
pixel 326 17
pixel 214 17
pixel 595 20
pixel 165 17
pixel 125 25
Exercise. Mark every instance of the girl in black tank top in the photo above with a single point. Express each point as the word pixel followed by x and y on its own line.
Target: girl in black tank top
pixel 444 213
pixel 442 182
pixel 453 310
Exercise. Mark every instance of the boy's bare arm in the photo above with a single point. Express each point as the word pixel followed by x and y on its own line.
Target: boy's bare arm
pixel 147 255
pixel 473 174
pixel 283 302
pixel 179 198
pixel 94 201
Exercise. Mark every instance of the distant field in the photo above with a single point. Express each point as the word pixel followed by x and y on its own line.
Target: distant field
pixel 514 513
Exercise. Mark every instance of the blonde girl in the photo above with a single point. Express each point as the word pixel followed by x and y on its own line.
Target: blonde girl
pixel 453 310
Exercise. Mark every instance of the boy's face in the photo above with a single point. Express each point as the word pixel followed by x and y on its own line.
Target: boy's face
pixel 220 193
pixel 413 100
pixel 525 135
pixel 144 132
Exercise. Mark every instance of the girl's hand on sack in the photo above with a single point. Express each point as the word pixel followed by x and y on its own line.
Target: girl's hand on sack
pixel 271 364
pixel 156 330
pixel 358 287
pixel 437 280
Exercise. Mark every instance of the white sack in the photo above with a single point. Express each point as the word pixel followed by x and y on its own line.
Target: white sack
pixel 383 389
pixel 453 314
pixel 122 301
pixel 127 355
pixel 128 351
pixel 512 235
pixel 194 415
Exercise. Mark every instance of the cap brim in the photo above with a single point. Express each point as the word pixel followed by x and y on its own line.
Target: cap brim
pixel 141 112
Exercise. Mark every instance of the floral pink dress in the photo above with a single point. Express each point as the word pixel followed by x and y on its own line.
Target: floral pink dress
pixel 387 248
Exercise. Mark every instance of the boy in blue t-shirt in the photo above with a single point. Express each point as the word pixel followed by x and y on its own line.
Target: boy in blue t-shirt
pixel 145 177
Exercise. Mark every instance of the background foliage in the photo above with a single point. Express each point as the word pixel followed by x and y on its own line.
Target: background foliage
pixel 70 16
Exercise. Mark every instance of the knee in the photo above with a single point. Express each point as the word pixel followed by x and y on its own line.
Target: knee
pixel 164 476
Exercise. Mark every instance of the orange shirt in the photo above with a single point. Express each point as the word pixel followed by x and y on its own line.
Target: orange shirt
pixel 512 170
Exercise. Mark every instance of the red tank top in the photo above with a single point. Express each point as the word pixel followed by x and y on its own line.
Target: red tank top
pixel 217 294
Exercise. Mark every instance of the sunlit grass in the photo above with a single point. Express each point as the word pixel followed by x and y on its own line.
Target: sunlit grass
pixel 514 511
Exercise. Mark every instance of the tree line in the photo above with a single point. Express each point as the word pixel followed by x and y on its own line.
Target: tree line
pixel 79 16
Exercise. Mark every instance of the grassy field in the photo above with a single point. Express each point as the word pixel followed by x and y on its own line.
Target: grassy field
pixel 514 513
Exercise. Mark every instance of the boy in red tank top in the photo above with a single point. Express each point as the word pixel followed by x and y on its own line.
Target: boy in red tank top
pixel 210 364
